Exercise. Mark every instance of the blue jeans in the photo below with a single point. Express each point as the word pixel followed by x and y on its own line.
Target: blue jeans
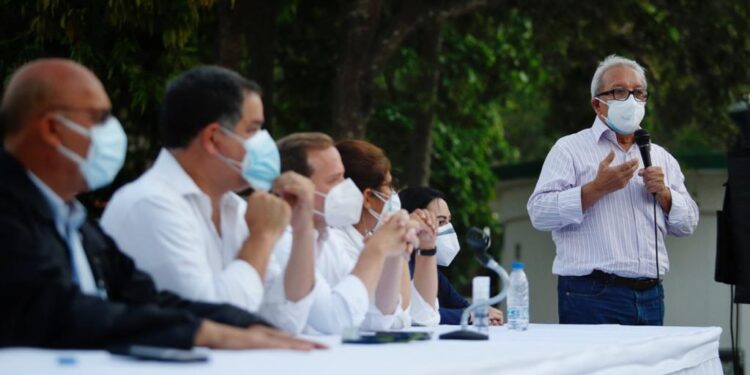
pixel 581 300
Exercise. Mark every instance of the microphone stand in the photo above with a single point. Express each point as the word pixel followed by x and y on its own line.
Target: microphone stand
pixel 479 241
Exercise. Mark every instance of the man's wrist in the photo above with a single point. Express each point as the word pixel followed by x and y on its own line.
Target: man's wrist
pixel 665 199
pixel 304 225
pixel 264 236
pixel 376 249
pixel 208 334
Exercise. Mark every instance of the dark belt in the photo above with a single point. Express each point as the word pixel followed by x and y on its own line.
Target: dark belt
pixel 639 284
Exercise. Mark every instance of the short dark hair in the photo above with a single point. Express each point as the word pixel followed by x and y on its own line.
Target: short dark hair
pixel 365 163
pixel 418 197
pixel 294 148
pixel 199 97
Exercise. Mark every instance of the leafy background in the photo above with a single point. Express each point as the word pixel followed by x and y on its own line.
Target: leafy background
pixel 459 87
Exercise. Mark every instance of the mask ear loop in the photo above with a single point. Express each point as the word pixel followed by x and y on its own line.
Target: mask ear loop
pixel 234 164
pixel 374 214
pixel 321 214
pixel 77 128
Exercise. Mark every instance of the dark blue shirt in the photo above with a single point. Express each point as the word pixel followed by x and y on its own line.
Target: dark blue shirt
pixel 452 303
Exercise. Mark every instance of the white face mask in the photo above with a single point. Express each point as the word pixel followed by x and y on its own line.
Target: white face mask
pixel 447 245
pixel 624 116
pixel 343 204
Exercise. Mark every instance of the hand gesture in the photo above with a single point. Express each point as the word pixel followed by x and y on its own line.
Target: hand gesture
pixel 299 192
pixel 611 178
pixel 653 178
pixel 396 236
pixel 266 214
pixel 426 227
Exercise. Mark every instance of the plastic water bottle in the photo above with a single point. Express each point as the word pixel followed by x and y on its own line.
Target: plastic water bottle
pixel 481 293
pixel 518 299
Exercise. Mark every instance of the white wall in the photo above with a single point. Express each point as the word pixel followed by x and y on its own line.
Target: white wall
pixel 693 298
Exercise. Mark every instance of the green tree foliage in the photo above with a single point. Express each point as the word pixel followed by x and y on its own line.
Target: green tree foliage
pixel 512 76
pixel 133 46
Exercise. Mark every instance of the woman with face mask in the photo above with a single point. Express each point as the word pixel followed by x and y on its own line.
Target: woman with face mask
pixel 452 303
pixel 370 169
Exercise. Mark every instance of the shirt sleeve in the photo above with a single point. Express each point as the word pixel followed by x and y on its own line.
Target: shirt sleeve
pixel 166 243
pixel 683 215
pixel 338 308
pixel 375 320
pixel 448 296
pixel 556 200
pixel 278 310
pixel 423 313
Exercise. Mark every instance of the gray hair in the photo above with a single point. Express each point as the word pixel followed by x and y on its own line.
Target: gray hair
pixel 613 61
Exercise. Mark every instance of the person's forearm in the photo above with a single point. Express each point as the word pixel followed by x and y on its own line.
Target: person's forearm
pixel 665 201
pixel 257 251
pixel 209 334
pixel 299 277
pixel 389 287
pixel 590 194
pixel 425 278
pixel 369 268
pixel 405 286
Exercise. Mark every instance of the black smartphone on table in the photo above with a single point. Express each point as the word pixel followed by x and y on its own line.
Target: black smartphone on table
pixel 387 337
pixel 155 353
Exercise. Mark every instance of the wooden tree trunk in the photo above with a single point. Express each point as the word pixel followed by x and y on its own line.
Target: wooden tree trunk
pixel 230 43
pixel 247 43
pixel 352 87
pixel 260 37
pixel 368 46
pixel 430 42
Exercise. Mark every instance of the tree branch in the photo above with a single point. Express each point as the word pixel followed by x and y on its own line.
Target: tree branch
pixel 413 17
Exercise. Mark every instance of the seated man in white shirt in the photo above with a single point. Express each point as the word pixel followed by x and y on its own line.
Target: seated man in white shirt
pixel 339 204
pixel 182 222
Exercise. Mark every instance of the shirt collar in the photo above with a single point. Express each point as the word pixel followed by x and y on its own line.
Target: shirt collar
pixel 71 215
pixel 169 169
pixel 600 129
pixel 354 235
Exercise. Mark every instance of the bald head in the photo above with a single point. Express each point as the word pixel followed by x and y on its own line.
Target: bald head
pixel 49 84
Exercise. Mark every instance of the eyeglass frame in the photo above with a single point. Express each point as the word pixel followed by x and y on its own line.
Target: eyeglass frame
pixel 630 92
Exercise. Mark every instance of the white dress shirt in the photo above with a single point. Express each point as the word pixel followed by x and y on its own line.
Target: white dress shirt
pixel 616 234
pixel 419 312
pixel 340 300
pixel 163 221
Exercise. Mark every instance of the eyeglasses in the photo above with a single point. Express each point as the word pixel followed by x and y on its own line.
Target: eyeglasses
pixel 622 94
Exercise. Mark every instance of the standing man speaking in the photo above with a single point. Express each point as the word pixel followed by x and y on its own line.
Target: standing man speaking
pixel 597 198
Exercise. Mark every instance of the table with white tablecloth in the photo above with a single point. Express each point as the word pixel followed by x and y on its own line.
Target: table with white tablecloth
pixel 542 349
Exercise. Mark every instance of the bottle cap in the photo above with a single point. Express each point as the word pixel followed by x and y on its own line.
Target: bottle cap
pixel 518 265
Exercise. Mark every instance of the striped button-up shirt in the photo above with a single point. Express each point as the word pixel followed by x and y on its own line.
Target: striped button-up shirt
pixel 616 234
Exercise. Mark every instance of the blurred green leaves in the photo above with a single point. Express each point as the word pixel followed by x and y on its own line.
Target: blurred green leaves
pixel 512 79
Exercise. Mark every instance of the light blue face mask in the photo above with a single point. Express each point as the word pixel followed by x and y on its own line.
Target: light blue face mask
pixel 391 204
pixel 106 154
pixel 262 163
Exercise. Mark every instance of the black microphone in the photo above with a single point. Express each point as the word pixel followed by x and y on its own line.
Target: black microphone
pixel 479 241
pixel 643 140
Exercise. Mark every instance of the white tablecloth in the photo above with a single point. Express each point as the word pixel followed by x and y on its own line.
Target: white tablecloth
pixel 543 349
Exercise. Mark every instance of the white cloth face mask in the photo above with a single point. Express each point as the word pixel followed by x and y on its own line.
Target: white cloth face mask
pixel 447 245
pixel 624 116
pixel 343 204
